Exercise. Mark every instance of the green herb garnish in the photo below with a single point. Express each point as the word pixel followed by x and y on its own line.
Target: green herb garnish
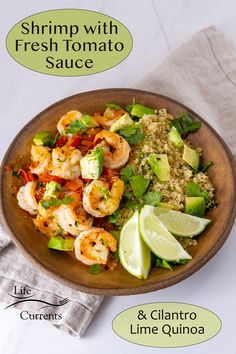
pixel 95 269
pixel 132 134
pixel 162 263
pixel 15 174
pixel 82 124
pixel 75 127
pixel 53 202
pixel 152 198
pixel 205 166
pixel 185 124
pixel 127 172
pixel 113 106
pixel 134 205
pixel 115 216
pixel 194 190
pixel 139 185
pixel 115 233
pixel 116 255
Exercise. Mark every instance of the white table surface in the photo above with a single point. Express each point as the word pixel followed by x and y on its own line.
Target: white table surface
pixel 157 27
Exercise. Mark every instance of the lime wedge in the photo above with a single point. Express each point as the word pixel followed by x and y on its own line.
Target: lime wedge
pixel 135 256
pixel 181 224
pixel 162 243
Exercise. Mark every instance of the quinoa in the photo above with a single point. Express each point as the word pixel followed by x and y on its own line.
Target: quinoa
pixel 156 128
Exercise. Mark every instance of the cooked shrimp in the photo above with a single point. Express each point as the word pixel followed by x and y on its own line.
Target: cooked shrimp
pixel 65 162
pixel 26 198
pixel 47 222
pixel 93 245
pixel 66 119
pixel 116 149
pixel 71 221
pixel 99 201
pixel 109 117
pixel 41 158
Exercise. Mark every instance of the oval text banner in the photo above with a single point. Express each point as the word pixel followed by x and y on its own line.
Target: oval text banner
pixel 166 325
pixel 69 42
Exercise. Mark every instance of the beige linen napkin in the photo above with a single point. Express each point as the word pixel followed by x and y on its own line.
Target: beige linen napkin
pixel 201 74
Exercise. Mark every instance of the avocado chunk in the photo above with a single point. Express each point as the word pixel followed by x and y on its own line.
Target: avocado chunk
pixel 61 244
pixel 175 138
pixel 191 157
pixel 42 138
pixel 92 164
pixel 52 190
pixel 88 121
pixel 195 206
pixel 160 166
pixel 139 110
pixel 122 122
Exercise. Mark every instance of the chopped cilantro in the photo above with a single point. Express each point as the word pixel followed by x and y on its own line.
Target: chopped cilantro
pixel 115 233
pixel 15 174
pixel 162 263
pixel 194 190
pixel 127 195
pixel 139 185
pixel 134 205
pixel 115 216
pixel 185 124
pixel 127 172
pixel 132 134
pixel 205 166
pixel 183 261
pixel 39 184
pixel 82 124
pixel 129 108
pixel 116 255
pixel 113 106
pixel 52 202
pixel 95 269
pixel 152 198
pixel 75 126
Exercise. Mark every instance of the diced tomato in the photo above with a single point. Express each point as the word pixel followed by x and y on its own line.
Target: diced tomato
pixel 8 168
pixel 61 141
pixel 107 225
pixel 104 223
pixel 46 177
pixel 15 188
pixel 75 141
pixel 83 149
pixel 74 184
pixel 109 172
pixel 87 143
pixel 39 193
pixel 27 175
pixel 98 222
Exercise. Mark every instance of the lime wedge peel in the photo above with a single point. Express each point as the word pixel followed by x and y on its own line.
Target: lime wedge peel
pixel 161 242
pixel 134 254
pixel 180 224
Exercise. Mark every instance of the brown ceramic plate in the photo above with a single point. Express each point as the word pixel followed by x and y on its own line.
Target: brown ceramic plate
pixel 74 274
